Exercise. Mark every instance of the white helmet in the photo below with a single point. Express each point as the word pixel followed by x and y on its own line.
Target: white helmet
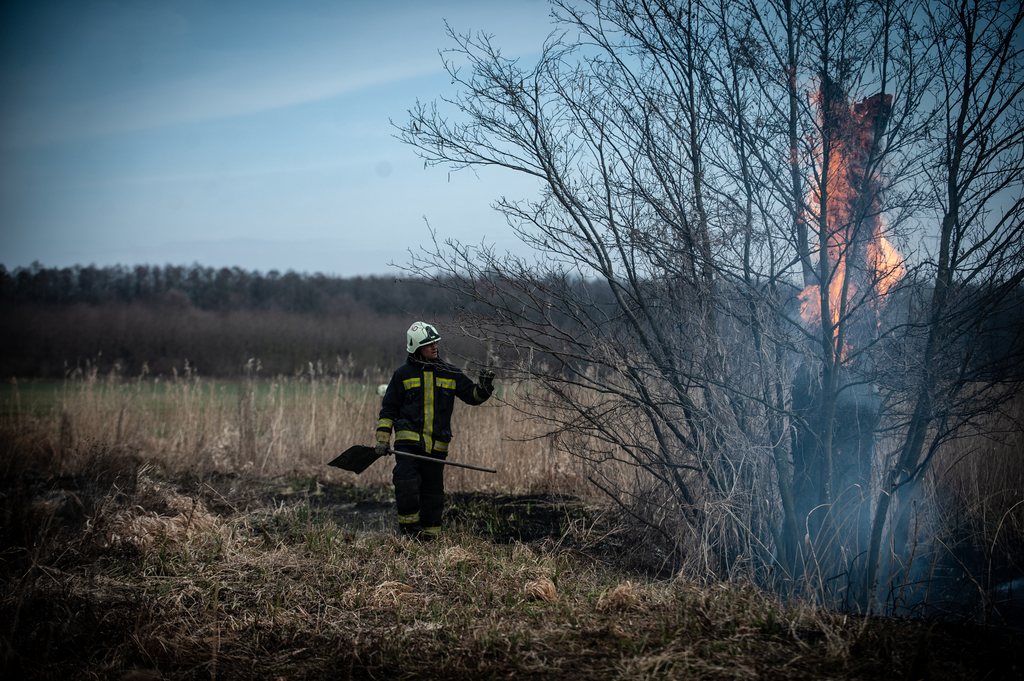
pixel 420 334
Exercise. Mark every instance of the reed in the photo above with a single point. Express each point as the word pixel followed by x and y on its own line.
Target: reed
pixel 977 490
pixel 288 426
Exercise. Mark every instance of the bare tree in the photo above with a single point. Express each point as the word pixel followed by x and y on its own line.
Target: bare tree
pixel 976 173
pixel 716 297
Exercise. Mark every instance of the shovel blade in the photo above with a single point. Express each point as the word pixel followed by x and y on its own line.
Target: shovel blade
pixel 356 459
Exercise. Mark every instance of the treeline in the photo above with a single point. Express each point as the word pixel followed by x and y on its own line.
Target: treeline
pixel 153 319
pixel 209 288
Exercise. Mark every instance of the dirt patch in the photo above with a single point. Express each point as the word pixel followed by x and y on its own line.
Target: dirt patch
pixel 501 518
pixel 526 518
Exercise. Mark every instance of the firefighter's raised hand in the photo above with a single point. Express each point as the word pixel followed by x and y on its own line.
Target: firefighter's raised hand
pixel 486 380
pixel 383 439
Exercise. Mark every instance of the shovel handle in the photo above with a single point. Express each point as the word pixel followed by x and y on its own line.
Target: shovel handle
pixel 443 461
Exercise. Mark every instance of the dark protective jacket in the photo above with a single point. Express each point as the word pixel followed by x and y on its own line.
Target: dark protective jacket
pixel 419 401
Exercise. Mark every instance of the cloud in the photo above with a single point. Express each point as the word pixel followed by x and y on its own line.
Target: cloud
pixel 221 95
pixel 225 65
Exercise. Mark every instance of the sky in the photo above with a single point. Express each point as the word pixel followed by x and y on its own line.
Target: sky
pixel 252 134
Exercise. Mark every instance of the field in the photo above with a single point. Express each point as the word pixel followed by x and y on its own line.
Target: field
pixel 287 427
pixel 189 529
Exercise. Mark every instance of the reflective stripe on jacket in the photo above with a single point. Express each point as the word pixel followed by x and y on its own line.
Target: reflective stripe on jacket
pixel 419 401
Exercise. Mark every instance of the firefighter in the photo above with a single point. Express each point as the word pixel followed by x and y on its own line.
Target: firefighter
pixel 417 405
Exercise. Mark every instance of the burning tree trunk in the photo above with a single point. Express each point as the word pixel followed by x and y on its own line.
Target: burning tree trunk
pixel 857 267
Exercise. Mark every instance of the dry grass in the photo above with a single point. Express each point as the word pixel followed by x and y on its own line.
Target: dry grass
pixel 977 491
pixel 542 589
pixel 189 425
pixel 152 580
pixel 150 528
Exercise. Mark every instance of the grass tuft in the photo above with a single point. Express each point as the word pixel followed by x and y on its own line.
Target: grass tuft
pixel 542 589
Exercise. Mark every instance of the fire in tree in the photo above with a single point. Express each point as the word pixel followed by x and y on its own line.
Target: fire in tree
pixel 862 265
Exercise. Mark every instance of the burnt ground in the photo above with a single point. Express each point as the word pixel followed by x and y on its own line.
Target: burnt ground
pixel 590 530
pixel 496 517
pixel 566 520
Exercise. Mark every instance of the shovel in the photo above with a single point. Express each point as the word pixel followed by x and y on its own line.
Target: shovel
pixel 359 457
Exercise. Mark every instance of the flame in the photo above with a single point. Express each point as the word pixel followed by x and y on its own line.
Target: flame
pixel 810 304
pixel 810 297
pixel 876 264
pixel 886 263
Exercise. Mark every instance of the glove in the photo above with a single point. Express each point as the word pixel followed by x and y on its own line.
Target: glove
pixel 383 439
pixel 486 380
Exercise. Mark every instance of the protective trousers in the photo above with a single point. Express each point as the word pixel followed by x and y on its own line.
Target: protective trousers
pixel 419 492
